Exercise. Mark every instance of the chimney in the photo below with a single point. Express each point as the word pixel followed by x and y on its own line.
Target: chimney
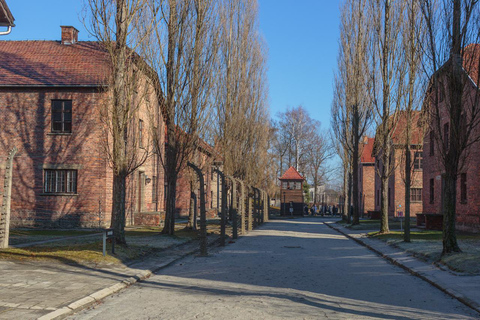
pixel 69 35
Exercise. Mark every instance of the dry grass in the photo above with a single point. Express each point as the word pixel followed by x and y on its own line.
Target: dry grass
pixel 85 247
pixel 427 245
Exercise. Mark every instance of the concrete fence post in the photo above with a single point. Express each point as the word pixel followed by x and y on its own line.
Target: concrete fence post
pixel 250 209
pixel 234 207
pixel 223 220
pixel 242 207
pixel 7 196
pixel 203 212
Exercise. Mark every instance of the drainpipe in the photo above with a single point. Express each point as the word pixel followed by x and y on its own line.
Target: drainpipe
pixel 4 33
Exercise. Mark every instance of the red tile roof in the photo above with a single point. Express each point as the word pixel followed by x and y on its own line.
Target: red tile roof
pixel 291 174
pixel 471 60
pixel 367 150
pixel 416 135
pixel 49 63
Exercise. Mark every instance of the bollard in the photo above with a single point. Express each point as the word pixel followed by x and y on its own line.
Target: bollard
pixel 108 234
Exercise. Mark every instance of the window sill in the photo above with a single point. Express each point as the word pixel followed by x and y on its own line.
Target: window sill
pixel 59 134
pixel 59 194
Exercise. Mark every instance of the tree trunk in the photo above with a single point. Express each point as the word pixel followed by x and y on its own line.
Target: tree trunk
pixel 452 157
pixel 345 194
pixel 349 197
pixel 384 227
pixel 169 227
pixel 118 207
pixel 449 206
pixel 120 131
pixel 408 179
pixel 356 138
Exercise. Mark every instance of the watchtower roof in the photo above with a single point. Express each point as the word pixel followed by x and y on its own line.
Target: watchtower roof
pixel 292 174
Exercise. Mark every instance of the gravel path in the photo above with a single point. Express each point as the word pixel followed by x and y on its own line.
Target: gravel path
pixel 297 269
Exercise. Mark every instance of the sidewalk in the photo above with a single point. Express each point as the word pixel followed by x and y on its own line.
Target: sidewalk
pixel 31 290
pixel 465 288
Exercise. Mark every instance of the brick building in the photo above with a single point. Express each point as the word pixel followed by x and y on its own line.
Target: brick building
pixel 396 182
pixel 291 192
pixel 468 187
pixel 50 93
pixel 366 179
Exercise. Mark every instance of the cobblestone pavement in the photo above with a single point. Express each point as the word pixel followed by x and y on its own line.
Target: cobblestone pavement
pixel 464 287
pixel 30 290
pixel 296 269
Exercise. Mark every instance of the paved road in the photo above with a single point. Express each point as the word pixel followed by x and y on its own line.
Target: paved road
pixel 297 269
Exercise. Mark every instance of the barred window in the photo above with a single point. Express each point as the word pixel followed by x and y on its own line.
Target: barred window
pixel 418 160
pixel 62 116
pixel 416 194
pixel 60 181
pixel 140 133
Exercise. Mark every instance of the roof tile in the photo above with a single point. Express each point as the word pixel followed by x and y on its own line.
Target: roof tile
pixel 50 63
pixel 291 174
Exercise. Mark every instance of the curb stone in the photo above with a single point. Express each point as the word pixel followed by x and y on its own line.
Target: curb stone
pixel 99 295
pixel 452 293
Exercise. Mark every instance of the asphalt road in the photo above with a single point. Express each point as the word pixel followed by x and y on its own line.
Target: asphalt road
pixel 296 269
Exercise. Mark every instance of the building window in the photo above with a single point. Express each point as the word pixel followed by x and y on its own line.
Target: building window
pixel 298 186
pixel 446 136
pixel 62 116
pixel 418 160
pixel 432 190
pixel 463 188
pixel 140 133
pixel 60 181
pixel 441 92
pixel 416 194
pixel 432 143
pixel 284 185
pixel 154 189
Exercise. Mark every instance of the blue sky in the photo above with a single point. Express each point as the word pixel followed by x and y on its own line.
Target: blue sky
pixel 302 36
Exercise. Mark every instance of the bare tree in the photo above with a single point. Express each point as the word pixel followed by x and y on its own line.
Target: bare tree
pixel 182 51
pixel 386 85
pixel 299 128
pixel 242 131
pixel 316 155
pixel 413 36
pixel 352 112
pixel 452 99
pixel 114 24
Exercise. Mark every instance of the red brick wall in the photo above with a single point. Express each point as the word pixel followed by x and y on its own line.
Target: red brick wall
pixel 25 122
pixel 25 119
pixel 396 184
pixel 468 213
pixel 367 187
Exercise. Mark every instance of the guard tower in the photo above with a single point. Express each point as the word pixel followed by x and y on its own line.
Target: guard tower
pixel 291 192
